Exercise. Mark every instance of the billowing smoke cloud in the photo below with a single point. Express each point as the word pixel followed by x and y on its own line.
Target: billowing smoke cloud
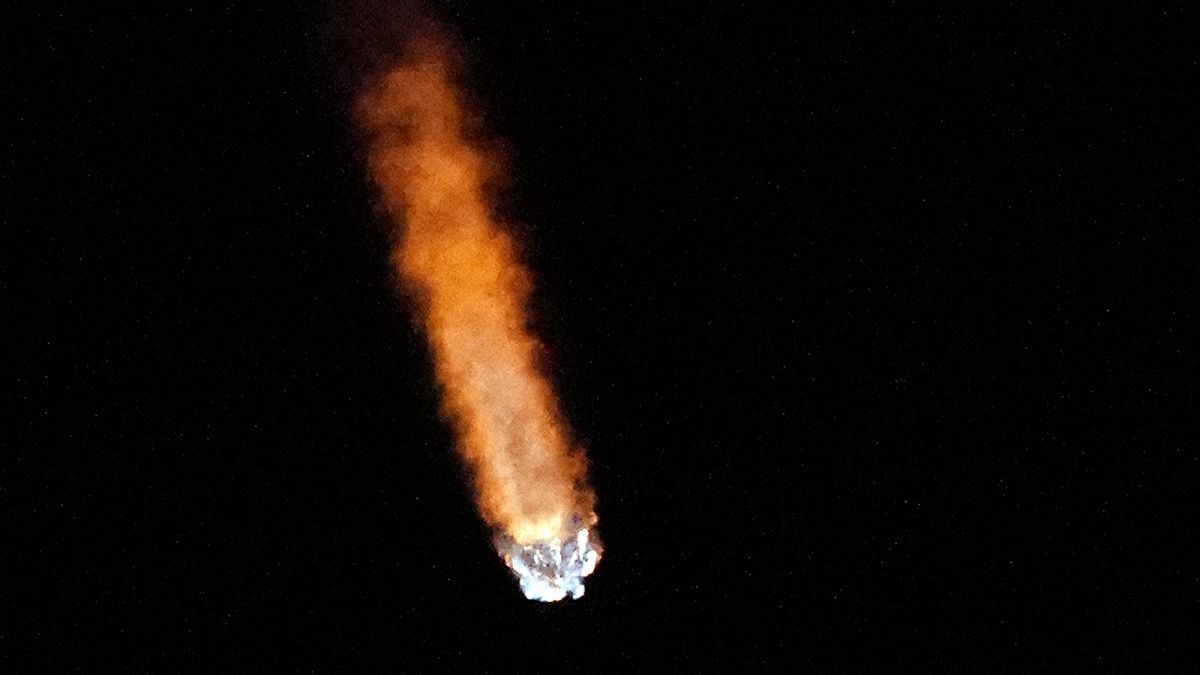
pixel 459 266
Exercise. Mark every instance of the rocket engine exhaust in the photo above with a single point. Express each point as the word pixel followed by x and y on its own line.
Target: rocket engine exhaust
pixel 459 266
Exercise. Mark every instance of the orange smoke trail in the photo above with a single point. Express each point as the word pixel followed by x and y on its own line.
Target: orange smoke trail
pixel 460 266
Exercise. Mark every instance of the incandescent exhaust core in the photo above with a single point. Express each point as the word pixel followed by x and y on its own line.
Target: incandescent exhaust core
pixel 552 569
pixel 459 265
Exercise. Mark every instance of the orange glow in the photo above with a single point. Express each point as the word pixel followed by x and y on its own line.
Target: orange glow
pixel 470 290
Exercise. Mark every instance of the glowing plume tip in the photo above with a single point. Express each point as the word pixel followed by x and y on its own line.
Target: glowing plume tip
pixel 550 570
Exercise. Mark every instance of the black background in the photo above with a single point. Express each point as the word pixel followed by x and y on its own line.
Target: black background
pixel 878 324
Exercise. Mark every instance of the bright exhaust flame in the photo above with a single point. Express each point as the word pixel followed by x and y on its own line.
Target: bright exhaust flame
pixel 461 269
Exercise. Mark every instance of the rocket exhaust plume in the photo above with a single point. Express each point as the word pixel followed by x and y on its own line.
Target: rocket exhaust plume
pixel 459 266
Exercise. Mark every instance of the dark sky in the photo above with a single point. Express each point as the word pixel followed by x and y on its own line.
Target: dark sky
pixel 879 326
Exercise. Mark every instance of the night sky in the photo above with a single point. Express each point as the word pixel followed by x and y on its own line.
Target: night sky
pixel 879 326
